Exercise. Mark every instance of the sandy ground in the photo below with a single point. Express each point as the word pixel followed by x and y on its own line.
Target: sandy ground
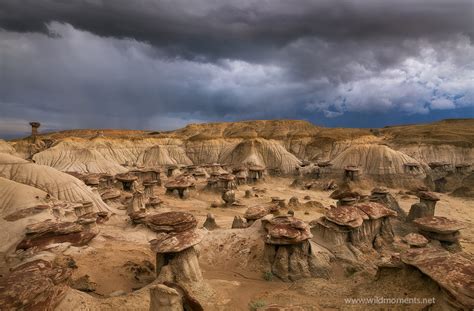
pixel 235 274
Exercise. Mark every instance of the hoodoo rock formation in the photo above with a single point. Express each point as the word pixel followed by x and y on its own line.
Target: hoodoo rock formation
pixel 108 219
pixel 289 253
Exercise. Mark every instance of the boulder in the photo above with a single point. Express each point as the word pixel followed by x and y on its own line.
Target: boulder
pixel 228 197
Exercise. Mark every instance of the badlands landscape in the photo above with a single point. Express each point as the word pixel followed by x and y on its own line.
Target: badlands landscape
pixel 255 215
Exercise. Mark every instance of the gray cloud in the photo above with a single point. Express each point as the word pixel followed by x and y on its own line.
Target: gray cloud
pixel 159 64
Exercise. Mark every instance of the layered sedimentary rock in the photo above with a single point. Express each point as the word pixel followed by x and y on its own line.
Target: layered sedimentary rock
pixel 289 253
pixel 35 285
pixel 363 225
pixel 452 272
pixel 49 232
pixel 439 228
pixel 171 222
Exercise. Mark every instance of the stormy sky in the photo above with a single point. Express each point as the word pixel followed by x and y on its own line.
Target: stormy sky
pixel 150 64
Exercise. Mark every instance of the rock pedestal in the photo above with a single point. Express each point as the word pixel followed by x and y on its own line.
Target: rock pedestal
pixel 426 206
pixel 164 298
pixel 420 210
pixel 150 188
pixel 179 187
pixel 279 201
pixel 210 223
pixel 288 250
pixel 138 202
pixel 176 257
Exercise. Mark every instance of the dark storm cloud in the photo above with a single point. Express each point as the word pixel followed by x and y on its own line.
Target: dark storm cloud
pixel 249 30
pixel 162 64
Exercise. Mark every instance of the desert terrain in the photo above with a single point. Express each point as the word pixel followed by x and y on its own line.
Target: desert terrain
pixel 255 215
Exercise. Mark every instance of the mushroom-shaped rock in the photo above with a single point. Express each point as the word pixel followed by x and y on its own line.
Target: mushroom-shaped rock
pixel 380 190
pixel 428 196
pixel 349 216
pixel 176 242
pixel 415 240
pixel 126 177
pixel 438 224
pixel 285 230
pixel 256 212
pixel 439 228
pixel 181 186
pixel 110 194
pixel 179 183
pixel 375 210
pixel 171 222
pixel 289 251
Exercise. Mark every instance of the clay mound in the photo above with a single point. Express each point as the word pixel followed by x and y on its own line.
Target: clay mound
pixel 68 158
pixel 261 152
pixel 374 160
pixel 6 147
pixel 19 205
pixel 60 185
pixel 15 196
pixel 457 132
pixel 380 164
pixel 164 155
